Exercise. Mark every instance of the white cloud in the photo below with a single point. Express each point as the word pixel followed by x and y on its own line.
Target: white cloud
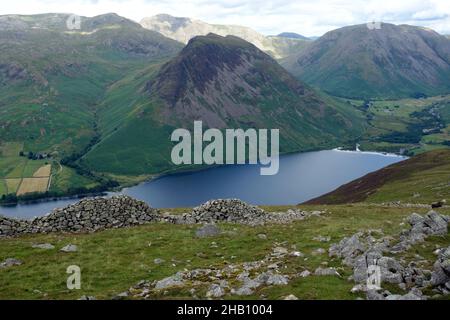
pixel 267 16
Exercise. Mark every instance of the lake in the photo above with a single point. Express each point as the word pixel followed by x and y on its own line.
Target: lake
pixel 302 176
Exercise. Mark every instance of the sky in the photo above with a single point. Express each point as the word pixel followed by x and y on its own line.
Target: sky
pixel 270 17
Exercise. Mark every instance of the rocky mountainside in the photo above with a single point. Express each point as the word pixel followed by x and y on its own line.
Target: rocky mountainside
pixel 227 83
pixel 184 29
pixel 389 62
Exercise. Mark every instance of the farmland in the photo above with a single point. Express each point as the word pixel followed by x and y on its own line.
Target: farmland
pixel 20 175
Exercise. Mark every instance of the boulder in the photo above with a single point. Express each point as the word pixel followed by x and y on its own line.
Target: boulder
pixel 172 281
pixel 69 248
pixel 10 262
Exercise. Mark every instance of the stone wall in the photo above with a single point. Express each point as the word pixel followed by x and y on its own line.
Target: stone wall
pixel 88 215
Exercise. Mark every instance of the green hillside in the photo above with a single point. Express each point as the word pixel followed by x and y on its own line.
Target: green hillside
pixel 421 179
pixel 393 61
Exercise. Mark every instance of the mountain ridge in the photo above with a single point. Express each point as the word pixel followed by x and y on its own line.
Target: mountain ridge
pixel 389 62
pixel 183 29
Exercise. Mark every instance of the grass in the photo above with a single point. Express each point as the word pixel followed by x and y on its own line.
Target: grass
pixel 388 117
pixel 12 184
pixel 30 185
pixel 113 260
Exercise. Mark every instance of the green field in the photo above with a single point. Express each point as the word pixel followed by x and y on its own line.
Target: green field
pixel 13 168
pixel 112 261
pixel 394 125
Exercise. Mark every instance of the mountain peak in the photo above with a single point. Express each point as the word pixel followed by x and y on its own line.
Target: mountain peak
pixel 292 35
pixel 226 81
pixel 378 60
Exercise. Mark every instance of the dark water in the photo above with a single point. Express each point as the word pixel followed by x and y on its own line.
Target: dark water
pixel 301 177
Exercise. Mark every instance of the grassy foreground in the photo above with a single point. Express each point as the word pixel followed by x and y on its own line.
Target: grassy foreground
pixel 111 261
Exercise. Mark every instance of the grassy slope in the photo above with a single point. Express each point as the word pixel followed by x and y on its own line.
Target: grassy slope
pixel 111 261
pixel 421 179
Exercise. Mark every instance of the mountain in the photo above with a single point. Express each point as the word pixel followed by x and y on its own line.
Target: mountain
pixel 227 83
pixel 421 179
pixel 292 35
pixel 389 62
pixel 52 78
pixel 184 29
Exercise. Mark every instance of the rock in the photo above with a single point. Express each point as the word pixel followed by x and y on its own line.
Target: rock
pixel 208 230
pixel 414 294
pixel 158 261
pixel 243 291
pixel 296 254
pixel 231 210
pixel 45 246
pixel 305 274
pixel 172 281
pixel 277 279
pixel 375 295
pixel 348 249
pixel 441 269
pixel 87 298
pixel 215 291
pixel 390 270
pixel 87 215
pixel 262 236
pixel 121 296
pixel 326 272
pixel 237 211
pixel 69 248
pixel 10 262
pixel 279 251
pixel 359 288
pixel 290 297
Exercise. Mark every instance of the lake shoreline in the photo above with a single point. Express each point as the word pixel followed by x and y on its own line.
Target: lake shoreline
pixel 293 162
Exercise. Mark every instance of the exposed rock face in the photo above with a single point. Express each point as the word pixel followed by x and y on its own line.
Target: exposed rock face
pixel 421 227
pixel 88 215
pixel 362 251
pixel 441 271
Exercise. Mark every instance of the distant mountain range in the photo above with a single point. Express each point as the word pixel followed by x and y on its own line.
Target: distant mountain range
pixel 107 96
pixel 184 29
pixel 293 35
pixel 389 62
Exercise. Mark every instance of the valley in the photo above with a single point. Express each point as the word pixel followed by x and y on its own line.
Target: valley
pixel 91 116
